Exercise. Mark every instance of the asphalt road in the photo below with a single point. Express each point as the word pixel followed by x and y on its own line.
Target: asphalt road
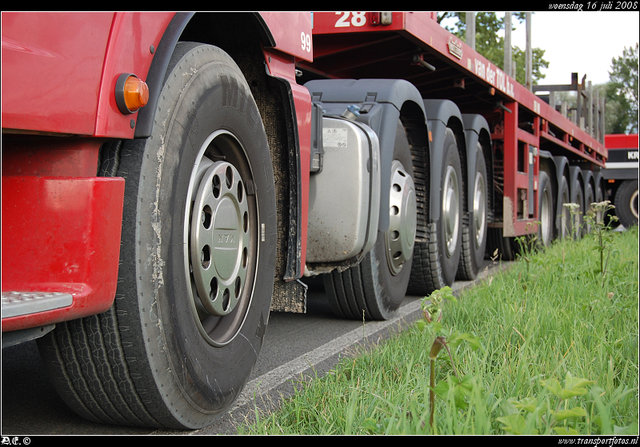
pixel 297 347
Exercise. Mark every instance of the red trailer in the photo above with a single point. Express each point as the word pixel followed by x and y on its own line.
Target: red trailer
pixel 168 179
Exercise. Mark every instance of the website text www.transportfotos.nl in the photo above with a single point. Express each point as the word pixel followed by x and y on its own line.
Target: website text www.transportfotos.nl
pixel 604 441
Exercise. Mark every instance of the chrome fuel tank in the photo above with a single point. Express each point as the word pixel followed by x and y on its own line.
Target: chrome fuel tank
pixel 344 197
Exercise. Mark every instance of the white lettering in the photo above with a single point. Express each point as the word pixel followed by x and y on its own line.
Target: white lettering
pixel 491 76
pixel 357 19
pixel 494 76
pixel 305 39
pixel 480 69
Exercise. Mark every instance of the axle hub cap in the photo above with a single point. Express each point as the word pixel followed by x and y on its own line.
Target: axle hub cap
pixel 479 210
pixel 451 210
pixel 402 218
pixel 220 238
pixel 545 217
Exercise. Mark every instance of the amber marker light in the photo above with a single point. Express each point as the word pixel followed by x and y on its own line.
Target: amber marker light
pixel 132 93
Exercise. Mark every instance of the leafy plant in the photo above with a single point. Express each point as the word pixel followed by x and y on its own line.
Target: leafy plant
pixel 432 308
pixel 602 233
pixel 536 416
pixel 574 210
pixel 528 246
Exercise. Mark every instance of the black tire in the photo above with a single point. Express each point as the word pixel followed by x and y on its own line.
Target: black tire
pixel 435 262
pixel 563 216
pixel 474 230
pixel 589 198
pixel 162 356
pixel 546 206
pixel 577 215
pixel 375 288
pixel 600 191
pixel 626 203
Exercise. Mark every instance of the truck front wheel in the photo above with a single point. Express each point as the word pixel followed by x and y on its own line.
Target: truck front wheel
pixel 197 261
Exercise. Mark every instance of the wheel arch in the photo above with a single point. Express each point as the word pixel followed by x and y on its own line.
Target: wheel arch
pixel 443 114
pixel 414 121
pixel 562 166
pixel 562 170
pixel 548 164
pixel 398 100
pixel 588 179
pixel 576 180
pixel 477 131
pixel 191 26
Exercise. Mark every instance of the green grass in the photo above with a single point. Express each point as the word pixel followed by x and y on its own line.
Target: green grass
pixel 542 325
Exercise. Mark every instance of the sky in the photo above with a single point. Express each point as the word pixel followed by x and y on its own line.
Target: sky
pixel 582 42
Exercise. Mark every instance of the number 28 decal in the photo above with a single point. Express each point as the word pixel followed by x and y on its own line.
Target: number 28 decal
pixel 350 18
pixel 346 20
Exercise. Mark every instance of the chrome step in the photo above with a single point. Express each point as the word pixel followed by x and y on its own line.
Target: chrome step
pixel 24 303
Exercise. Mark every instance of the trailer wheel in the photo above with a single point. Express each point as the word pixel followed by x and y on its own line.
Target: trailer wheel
pixel 564 214
pixel 435 263
pixel 545 211
pixel 474 233
pixel 626 203
pixel 197 261
pixel 577 214
pixel 375 288
pixel 589 198
pixel 450 222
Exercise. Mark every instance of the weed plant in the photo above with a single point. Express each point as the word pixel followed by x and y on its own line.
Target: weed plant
pixel 549 346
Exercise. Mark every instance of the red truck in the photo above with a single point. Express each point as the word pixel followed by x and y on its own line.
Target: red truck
pixel 621 175
pixel 168 179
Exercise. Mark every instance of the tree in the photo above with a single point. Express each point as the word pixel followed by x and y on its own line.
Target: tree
pixel 491 45
pixel 622 92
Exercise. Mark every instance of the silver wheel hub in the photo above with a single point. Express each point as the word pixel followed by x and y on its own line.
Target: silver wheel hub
pixel 451 210
pixel 545 218
pixel 565 221
pixel 479 210
pixel 220 238
pixel 402 218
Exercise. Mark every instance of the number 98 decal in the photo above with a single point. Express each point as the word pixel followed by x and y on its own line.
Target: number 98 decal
pixel 350 18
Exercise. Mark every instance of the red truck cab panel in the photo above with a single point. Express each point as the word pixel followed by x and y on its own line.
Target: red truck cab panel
pixel 61 222
pixel 61 234
pixel 69 64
